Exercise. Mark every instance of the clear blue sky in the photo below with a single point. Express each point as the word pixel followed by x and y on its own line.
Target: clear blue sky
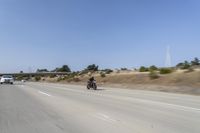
pixel 111 33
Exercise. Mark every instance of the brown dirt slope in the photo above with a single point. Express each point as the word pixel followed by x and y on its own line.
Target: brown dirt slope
pixel 180 82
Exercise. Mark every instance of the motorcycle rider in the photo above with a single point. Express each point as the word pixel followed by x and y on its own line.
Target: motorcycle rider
pixel 91 79
pixel 92 83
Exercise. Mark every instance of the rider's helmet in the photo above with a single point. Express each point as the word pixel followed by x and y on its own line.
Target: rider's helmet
pixel 92 78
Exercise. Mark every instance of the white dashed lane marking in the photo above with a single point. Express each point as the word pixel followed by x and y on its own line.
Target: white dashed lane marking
pixel 44 93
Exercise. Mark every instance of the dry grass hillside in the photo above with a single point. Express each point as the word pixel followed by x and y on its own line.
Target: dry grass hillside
pixel 178 81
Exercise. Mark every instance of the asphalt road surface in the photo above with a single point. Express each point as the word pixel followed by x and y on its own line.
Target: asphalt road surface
pixel 54 108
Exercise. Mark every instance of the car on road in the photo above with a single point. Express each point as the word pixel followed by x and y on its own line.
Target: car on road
pixel 8 79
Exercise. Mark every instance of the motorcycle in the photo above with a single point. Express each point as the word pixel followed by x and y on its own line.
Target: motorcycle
pixel 92 84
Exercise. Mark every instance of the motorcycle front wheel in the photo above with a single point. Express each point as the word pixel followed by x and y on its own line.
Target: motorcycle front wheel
pixel 88 87
pixel 95 87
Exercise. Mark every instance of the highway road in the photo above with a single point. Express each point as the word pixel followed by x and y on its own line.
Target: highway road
pixel 56 108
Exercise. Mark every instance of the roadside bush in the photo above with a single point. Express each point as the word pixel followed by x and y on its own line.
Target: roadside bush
pixel 165 70
pixel 92 67
pixel 102 74
pixel 41 70
pixel 184 65
pixel 195 62
pixel 153 75
pixel 52 76
pixel 59 79
pixel 143 69
pixel 153 68
pixel 37 78
pixel 64 68
pixel 124 69
pixel 107 71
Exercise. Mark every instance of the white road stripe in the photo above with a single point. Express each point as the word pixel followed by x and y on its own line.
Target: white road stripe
pixel 44 93
pixel 164 104
pixel 181 107
pixel 105 117
pixel 185 108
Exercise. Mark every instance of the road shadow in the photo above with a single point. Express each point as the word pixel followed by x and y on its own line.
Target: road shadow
pixel 100 89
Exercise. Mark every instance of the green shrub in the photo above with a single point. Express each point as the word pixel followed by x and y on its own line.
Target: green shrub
pixel 107 71
pixel 37 78
pixel 52 76
pixel 102 74
pixel 143 69
pixel 124 69
pixel 153 68
pixel 165 70
pixel 41 70
pixel 92 67
pixel 59 79
pixel 64 68
pixel 184 65
pixel 195 62
pixel 153 75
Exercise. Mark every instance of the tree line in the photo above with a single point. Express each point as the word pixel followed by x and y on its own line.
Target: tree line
pixel 93 67
pixel 154 71
pixel 66 68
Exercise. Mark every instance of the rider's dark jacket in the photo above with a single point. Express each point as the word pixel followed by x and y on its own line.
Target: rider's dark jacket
pixel 91 79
